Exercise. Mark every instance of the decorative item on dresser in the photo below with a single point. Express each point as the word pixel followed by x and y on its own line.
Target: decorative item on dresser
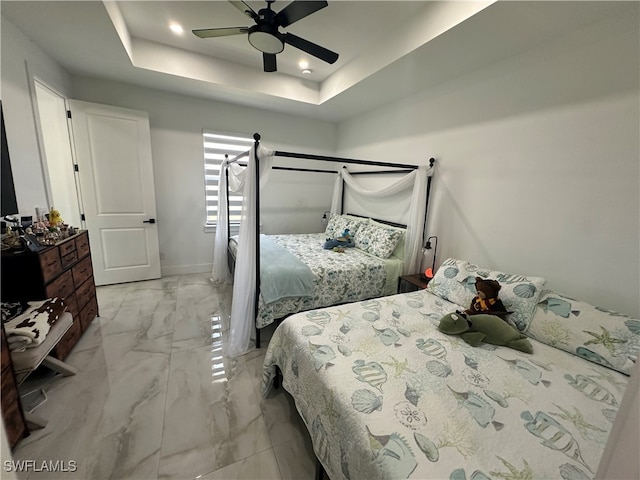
pixel 62 270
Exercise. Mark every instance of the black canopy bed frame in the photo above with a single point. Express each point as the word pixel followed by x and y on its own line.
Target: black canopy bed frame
pixel 390 168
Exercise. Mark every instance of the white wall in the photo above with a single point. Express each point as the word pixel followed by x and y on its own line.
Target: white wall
pixel 538 162
pixel 22 59
pixel 177 122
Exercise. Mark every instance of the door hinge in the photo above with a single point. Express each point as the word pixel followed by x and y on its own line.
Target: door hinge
pixel 68 113
pixel 75 167
pixel 82 217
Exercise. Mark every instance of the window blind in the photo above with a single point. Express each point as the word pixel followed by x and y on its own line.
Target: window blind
pixel 216 146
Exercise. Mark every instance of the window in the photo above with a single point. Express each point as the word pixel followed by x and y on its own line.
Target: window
pixel 216 146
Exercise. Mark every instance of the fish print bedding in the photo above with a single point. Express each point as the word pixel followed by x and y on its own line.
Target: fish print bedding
pixel 337 277
pixel 385 395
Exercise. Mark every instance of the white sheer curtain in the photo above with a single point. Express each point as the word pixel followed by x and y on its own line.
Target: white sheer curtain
pixel 242 320
pixel 416 179
pixel 237 175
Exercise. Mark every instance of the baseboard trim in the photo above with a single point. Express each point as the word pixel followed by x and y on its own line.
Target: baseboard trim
pixel 169 271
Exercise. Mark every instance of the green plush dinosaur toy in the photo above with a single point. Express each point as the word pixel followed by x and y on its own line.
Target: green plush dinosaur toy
pixel 475 329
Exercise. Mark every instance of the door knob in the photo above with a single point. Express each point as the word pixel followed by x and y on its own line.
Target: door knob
pixel 151 220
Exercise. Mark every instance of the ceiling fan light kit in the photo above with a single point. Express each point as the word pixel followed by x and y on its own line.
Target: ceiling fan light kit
pixel 265 41
pixel 265 36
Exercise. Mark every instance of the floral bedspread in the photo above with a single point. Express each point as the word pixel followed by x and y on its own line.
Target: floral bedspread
pixel 338 277
pixel 384 394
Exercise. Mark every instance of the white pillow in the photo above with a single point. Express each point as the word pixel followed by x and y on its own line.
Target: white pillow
pixel 398 252
pixel 598 335
pixel 377 240
pixel 337 224
pixel 455 281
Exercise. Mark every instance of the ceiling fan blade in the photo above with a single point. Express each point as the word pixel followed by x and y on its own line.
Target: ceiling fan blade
pixel 219 32
pixel 269 61
pixel 244 8
pixel 311 48
pixel 297 10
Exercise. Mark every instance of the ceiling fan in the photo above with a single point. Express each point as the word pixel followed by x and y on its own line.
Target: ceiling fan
pixel 264 35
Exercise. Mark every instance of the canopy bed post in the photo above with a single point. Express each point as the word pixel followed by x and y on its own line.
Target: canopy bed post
pixel 432 161
pixel 256 137
pixel 342 195
pixel 226 174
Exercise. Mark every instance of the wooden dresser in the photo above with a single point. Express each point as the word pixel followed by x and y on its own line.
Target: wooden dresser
pixel 12 414
pixel 63 270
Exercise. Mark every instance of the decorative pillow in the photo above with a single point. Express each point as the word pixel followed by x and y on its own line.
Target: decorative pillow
pixel 377 240
pixel 338 223
pixel 455 281
pixel 332 224
pixel 598 335
pixel 398 252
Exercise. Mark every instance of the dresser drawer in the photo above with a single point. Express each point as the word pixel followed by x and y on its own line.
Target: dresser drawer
pixel 72 305
pixel 67 342
pixel 69 258
pixel 67 247
pixel 85 293
pixel 6 356
pixel 82 271
pixel 8 387
pixel 50 264
pixel 88 313
pixel 61 286
pixel 13 420
pixel 82 245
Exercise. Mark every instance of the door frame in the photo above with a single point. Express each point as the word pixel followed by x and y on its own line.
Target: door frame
pixel 44 160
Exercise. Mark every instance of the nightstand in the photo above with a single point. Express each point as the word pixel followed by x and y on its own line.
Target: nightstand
pixel 411 283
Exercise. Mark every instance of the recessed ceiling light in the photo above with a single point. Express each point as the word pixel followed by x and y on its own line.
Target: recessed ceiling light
pixel 306 71
pixel 176 28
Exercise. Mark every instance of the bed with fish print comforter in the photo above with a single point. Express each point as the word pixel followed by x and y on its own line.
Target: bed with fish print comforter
pixel 337 277
pixel 385 395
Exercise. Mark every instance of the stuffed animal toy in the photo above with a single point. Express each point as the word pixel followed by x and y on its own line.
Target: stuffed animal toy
pixel 342 241
pixel 487 301
pixel 475 329
pixel 55 220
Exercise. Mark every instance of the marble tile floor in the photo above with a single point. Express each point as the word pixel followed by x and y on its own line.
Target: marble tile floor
pixel 154 398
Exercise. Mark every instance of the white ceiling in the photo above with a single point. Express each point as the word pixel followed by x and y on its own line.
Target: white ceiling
pixel 388 49
pixel 337 27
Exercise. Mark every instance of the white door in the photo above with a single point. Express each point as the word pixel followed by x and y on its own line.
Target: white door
pixel 113 153
pixel 57 157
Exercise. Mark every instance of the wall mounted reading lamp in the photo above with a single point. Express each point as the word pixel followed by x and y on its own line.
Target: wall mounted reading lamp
pixel 429 272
